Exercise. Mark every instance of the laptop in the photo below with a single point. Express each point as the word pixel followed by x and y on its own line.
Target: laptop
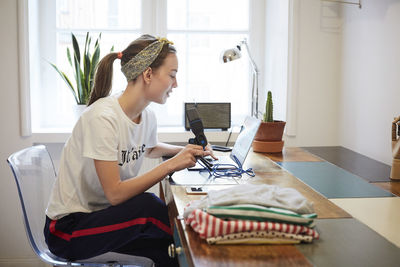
pixel 239 150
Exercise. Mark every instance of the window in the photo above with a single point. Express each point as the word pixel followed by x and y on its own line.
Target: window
pixel 200 29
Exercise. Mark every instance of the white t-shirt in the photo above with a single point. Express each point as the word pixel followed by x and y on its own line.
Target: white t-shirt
pixel 103 132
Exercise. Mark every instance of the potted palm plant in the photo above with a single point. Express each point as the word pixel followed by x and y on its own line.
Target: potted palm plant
pixel 83 68
pixel 269 135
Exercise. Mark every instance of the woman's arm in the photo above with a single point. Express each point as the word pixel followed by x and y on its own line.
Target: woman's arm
pixel 118 191
pixel 163 149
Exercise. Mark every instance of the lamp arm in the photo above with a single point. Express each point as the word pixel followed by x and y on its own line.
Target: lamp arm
pixel 254 91
pixel 252 62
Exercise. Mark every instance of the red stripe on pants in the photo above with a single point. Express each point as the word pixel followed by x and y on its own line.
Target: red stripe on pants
pixel 107 228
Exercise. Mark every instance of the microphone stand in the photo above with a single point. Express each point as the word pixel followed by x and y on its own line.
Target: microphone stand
pixel 196 125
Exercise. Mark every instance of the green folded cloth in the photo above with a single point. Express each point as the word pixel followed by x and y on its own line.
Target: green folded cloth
pixel 260 213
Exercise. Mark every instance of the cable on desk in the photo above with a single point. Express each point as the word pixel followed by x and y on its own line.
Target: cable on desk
pixel 236 171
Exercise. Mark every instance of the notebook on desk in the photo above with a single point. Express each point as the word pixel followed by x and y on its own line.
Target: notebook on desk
pixel 239 150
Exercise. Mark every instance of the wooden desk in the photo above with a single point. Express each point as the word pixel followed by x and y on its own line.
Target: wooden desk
pixel 344 240
pixel 393 187
pixel 196 252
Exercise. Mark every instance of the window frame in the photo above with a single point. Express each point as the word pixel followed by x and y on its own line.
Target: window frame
pixel 27 28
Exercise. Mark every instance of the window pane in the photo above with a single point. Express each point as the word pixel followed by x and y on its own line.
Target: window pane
pixel 200 30
pixel 108 40
pixel 57 113
pixel 203 78
pixel 99 14
pixel 208 15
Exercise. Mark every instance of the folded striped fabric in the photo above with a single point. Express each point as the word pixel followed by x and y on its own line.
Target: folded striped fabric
pixel 259 237
pixel 260 213
pixel 207 226
pixel 252 241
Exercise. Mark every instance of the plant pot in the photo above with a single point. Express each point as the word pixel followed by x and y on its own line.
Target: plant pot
pixel 268 147
pixel 270 131
pixel 269 137
pixel 78 110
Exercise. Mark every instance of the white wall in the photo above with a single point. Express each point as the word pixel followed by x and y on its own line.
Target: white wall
pixel 370 96
pixel 348 75
pixel 14 248
pixel 276 57
pixel 318 81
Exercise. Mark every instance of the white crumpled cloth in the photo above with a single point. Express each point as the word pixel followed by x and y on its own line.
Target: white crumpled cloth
pixel 258 194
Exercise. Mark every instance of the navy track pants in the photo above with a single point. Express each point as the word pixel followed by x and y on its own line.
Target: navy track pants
pixel 140 226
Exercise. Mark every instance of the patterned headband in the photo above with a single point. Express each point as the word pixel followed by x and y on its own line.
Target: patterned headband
pixel 139 63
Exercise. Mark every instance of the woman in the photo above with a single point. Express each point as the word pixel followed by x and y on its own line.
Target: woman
pixel 98 202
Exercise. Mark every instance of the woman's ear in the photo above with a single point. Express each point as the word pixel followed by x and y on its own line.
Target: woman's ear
pixel 147 75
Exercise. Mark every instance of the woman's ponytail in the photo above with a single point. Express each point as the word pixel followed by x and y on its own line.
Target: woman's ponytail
pixel 103 78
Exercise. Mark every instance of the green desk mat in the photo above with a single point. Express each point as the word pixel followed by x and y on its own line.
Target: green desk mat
pixel 356 163
pixel 348 242
pixel 332 181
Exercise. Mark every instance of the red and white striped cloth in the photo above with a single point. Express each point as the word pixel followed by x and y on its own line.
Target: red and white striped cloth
pixel 207 225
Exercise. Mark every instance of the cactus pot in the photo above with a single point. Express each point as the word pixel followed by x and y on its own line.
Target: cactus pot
pixel 268 147
pixel 269 137
pixel 270 131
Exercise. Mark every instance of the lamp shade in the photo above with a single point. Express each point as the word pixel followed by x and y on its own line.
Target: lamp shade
pixel 230 54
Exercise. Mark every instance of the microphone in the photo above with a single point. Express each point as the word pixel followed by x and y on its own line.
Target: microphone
pixel 196 125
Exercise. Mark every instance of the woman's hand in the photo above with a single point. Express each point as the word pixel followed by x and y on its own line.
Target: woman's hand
pixel 187 157
pixel 209 148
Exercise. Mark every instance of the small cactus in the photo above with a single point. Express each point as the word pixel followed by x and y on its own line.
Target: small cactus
pixel 268 115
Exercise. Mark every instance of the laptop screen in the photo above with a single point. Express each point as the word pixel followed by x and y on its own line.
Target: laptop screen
pixel 245 138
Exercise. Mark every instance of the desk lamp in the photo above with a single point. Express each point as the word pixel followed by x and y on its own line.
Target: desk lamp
pixel 235 53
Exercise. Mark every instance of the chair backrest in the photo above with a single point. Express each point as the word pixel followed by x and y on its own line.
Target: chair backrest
pixel 34 174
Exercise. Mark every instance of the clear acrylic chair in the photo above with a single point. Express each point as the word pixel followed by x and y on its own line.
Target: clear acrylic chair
pixel 34 174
